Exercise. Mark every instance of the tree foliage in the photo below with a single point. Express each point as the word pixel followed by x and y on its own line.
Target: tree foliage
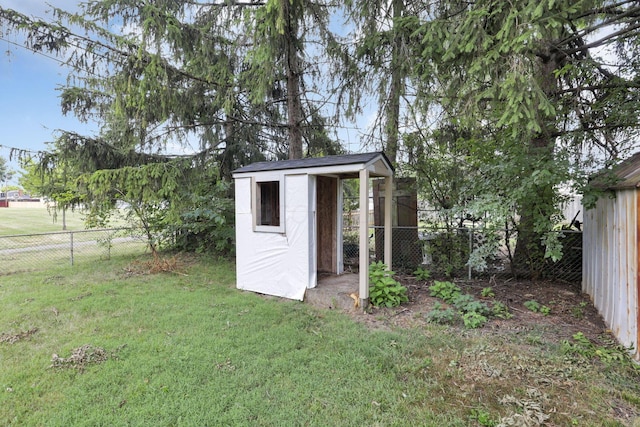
pixel 544 91
pixel 56 183
pixel 492 105
pixel 184 93
pixel 4 169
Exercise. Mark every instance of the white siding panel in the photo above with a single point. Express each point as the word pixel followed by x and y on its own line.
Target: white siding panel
pixel 274 263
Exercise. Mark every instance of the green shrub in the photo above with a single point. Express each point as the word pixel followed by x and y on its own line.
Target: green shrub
pixel 461 301
pixel 467 303
pixel 487 292
pixel 532 305
pixel 384 290
pixel 501 311
pixel 421 273
pixel 440 314
pixel 447 291
pixel 536 307
pixel 473 319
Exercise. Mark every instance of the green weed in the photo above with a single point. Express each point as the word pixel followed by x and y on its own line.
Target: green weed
pixel 536 307
pixel 500 310
pixel 446 291
pixel 421 274
pixel 440 314
pixel 487 292
pixel 385 291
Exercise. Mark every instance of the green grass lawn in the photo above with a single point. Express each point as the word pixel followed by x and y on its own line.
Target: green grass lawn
pixel 21 220
pixel 187 348
pixel 48 246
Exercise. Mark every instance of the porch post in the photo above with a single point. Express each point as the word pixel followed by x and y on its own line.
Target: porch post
pixel 388 217
pixel 364 238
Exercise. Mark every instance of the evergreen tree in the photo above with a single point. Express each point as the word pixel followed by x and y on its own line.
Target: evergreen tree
pixel 540 95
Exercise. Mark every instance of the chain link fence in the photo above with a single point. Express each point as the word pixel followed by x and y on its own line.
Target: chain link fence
pixel 40 251
pixel 462 252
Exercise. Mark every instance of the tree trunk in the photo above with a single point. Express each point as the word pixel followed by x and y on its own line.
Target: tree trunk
pixel 528 258
pixel 392 128
pixel 294 104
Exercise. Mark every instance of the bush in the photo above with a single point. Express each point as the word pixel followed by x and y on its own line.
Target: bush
pixel 384 290
pixel 501 311
pixel 208 225
pixel 468 304
pixel 473 319
pixel 449 251
pixel 441 315
pixel 421 273
pixel 474 313
pixel 447 291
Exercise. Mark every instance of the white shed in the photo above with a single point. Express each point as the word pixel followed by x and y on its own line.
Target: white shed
pixel 610 263
pixel 289 221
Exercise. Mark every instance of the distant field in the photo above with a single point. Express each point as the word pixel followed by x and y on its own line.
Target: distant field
pixel 30 240
pixel 21 220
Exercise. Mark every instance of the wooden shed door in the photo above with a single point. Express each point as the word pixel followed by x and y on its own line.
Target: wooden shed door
pixel 326 214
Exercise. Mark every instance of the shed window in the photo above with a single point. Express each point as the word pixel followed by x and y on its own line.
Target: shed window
pixel 268 203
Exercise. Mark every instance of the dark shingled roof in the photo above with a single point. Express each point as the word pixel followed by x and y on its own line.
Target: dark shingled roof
pixel 622 176
pixel 313 162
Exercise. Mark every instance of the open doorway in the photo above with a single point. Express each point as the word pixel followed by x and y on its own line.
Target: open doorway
pixel 327 223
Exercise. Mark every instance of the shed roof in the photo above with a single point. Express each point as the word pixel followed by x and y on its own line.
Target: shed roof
pixel 624 175
pixel 315 162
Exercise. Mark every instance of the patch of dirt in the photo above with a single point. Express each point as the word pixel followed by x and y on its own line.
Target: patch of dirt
pixel 175 264
pixel 571 311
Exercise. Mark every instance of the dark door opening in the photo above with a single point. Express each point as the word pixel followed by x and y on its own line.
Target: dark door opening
pixel 326 214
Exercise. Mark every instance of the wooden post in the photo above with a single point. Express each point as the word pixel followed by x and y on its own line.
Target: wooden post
pixel 637 278
pixel 388 217
pixel 364 238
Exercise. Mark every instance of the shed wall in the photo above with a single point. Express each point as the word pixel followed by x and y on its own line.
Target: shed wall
pixel 610 263
pixel 275 263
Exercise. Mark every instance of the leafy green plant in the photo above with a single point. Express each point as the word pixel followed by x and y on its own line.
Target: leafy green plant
pixel 532 305
pixel 536 307
pixel 500 310
pixel 461 301
pixel 487 292
pixel 421 273
pixel 440 314
pixel 384 289
pixel 473 319
pixel 449 252
pixel 578 311
pixel 483 418
pixel 466 303
pixel 447 291
pixel 609 355
pixel 474 313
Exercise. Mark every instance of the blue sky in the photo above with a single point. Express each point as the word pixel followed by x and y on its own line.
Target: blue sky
pixel 29 104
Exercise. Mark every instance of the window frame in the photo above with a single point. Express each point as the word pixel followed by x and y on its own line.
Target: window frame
pixel 257 203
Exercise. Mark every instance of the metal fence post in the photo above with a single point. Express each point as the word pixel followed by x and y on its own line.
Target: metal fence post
pixel 71 249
